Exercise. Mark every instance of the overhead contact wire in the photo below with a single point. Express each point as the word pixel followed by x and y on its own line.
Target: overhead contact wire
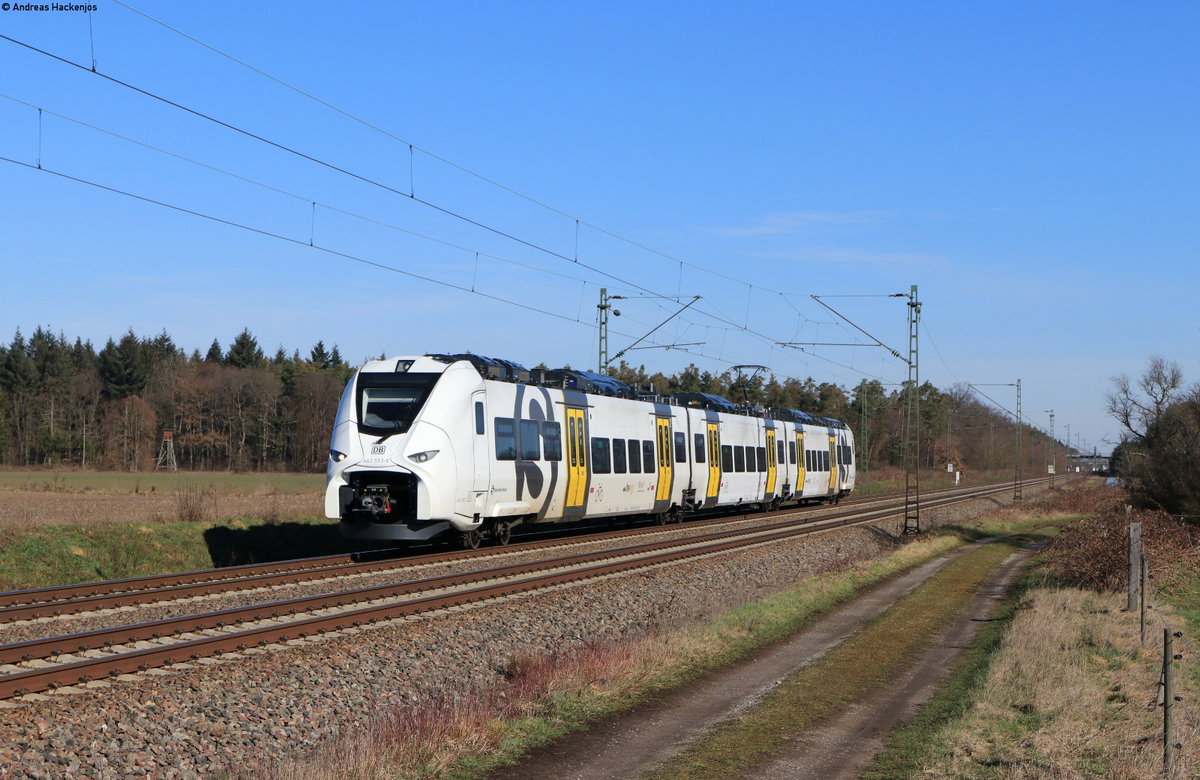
pixel 271 188
pixel 367 180
pixel 301 243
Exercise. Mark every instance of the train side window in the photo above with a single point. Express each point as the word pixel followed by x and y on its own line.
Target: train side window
pixel 699 441
pixel 808 464
pixel 600 456
pixel 635 455
pixel 739 458
pixel 618 456
pixel 552 440
pixel 506 438
pixel 681 448
pixel 726 458
pixel 779 458
pixel 825 460
pixel 792 451
pixel 762 458
pixel 479 417
pixel 648 456
pixel 531 443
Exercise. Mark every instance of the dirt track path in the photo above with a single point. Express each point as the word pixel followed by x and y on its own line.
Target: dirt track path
pixel 624 747
pixel 842 747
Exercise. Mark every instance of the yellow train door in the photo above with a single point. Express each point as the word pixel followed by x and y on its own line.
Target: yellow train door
pixel 714 461
pixel 576 458
pixel 801 462
pixel 772 468
pixel 833 465
pixel 665 459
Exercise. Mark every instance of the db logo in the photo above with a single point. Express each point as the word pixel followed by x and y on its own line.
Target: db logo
pixel 378 449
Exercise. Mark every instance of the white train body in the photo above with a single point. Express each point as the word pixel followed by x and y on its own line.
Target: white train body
pixel 426 445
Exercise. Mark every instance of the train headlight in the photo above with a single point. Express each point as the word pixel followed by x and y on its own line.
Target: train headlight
pixel 337 457
pixel 421 457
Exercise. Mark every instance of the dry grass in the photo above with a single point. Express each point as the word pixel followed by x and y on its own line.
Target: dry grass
pixel 23 511
pixel 1070 694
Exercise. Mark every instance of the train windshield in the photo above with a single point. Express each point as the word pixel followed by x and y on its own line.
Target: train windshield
pixel 388 403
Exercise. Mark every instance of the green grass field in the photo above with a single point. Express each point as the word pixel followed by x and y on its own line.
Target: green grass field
pixel 70 481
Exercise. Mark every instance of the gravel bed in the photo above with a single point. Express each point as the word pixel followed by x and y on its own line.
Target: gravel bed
pixel 244 715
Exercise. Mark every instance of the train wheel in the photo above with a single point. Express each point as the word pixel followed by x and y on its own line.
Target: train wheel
pixel 662 518
pixel 470 539
pixel 502 533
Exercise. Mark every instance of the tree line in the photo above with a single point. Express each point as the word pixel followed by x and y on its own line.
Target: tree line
pixel 62 402
pixel 65 403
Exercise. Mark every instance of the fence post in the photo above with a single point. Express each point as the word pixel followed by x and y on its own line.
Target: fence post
pixel 1168 675
pixel 1135 566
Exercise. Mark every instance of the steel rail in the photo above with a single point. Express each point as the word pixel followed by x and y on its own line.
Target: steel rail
pixel 69 599
pixel 85 670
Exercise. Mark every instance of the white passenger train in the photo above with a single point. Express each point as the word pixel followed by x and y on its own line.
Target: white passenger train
pixel 432 445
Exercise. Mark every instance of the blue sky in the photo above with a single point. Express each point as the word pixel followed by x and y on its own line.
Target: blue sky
pixel 1031 166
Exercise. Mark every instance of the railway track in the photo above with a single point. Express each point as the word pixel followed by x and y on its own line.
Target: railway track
pixel 71 599
pixel 43 664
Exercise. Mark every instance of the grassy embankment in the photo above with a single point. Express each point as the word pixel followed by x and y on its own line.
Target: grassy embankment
pixel 188 532
pixel 58 555
pixel 552 695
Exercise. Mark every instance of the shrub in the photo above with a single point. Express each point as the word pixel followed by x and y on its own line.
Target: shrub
pixel 195 503
pixel 1094 553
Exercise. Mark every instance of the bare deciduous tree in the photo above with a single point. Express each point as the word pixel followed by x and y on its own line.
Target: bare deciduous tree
pixel 1139 409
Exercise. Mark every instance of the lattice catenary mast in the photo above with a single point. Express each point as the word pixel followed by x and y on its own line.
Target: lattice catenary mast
pixel 912 422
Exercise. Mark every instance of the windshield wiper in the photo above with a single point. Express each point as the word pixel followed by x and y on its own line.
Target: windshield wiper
pixel 386 436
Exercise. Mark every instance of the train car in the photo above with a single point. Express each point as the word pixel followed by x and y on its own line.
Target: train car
pixel 436 446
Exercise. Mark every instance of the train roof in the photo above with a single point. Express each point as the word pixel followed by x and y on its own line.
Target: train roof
pixel 596 384
pixel 707 401
pixel 795 415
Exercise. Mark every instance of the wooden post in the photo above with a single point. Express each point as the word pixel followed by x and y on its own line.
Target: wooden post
pixel 1168 674
pixel 1135 566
